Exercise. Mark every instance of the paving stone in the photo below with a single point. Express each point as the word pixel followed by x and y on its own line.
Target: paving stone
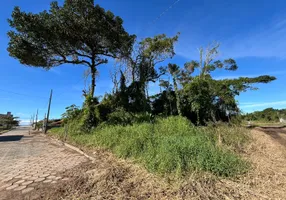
pixel 13 181
pixel 47 181
pixel 12 187
pixel 27 182
pixel 54 182
pixel 39 180
pixel 33 178
pixel 65 179
pixel 23 163
pixel 20 188
pixel 51 177
pixel 7 179
pixel 19 182
pixel 27 190
pixel 44 175
pixel 19 176
pixel 5 186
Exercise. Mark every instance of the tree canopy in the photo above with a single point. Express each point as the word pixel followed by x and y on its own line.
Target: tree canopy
pixel 266 115
pixel 81 33
pixel 78 32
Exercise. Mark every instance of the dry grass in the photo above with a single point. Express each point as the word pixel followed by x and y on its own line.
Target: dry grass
pixel 113 178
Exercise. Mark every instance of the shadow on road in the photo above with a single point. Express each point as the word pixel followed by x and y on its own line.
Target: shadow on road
pixel 275 134
pixel 10 138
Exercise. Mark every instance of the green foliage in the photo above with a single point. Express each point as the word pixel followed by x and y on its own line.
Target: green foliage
pixel 8 121
pixel 164 103
pixel 72 112
pixel 205 99
pixel 120 116
pixel 267 115
pixel 79 32
pixel 174 70
pixel 172 146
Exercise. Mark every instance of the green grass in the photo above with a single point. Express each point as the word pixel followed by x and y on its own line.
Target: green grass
pixel 2 131
pixel 171 146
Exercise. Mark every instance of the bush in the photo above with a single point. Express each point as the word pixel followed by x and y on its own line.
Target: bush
pixel 120 116
pixel 169 146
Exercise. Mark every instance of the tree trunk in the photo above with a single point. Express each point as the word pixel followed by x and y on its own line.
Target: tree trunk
pixel 93 74
pixel 178 100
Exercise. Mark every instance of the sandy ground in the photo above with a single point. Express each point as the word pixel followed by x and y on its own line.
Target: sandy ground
pixel 111 178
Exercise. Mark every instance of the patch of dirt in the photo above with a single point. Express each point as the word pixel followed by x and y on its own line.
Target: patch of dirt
pixel 112 178
pixel 268 155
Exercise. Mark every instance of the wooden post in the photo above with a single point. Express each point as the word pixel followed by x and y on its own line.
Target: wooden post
pixel 47 120
pixel 36 120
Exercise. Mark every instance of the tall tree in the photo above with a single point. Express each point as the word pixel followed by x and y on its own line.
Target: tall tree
pixel 79 32
pixel 174 70
pixel 147 54
pixel 211 99
pixel 168 89
pixel 207 63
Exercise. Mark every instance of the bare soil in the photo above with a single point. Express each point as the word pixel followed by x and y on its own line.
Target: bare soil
pixel 112 178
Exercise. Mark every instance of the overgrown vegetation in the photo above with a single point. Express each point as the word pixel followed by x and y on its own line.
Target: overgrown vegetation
pixel 170 145
pixel 82 33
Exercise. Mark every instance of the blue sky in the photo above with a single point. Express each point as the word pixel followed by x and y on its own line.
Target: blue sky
pixel 252 32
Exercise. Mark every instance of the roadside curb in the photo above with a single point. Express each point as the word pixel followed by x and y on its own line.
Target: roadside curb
pixel 70 147
pixel 5 131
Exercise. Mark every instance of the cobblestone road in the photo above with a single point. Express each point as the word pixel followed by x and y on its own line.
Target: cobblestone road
pixel 26 160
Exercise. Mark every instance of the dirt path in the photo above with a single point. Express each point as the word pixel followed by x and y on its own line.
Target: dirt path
pixel 268 155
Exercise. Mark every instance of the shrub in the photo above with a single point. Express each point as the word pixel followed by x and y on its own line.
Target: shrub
pixel 120 116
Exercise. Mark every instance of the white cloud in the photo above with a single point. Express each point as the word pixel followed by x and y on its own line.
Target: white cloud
pixel 272 73
pixel 262 104
pixel 24 122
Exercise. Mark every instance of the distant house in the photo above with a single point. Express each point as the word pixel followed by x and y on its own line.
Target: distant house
pixel 9 114
pixel 4 116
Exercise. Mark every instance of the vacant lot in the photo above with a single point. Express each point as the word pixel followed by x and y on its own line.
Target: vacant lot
pixel 113 178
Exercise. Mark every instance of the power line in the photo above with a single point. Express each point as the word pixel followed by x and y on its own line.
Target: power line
pixel 163 13
pixel 22 94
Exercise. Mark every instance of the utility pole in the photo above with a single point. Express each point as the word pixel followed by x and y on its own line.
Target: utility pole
pixel 36 120
pixel 47 120
pixel 43 128
pixel 33 117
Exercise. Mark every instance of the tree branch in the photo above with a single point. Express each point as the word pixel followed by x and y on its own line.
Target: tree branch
pixel 64 61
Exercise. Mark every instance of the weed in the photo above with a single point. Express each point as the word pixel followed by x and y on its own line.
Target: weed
pixel 171 146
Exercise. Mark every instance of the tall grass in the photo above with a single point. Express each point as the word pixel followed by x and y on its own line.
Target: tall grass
pixel 170 146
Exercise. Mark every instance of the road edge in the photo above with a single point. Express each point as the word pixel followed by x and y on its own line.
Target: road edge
pixel 70 147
